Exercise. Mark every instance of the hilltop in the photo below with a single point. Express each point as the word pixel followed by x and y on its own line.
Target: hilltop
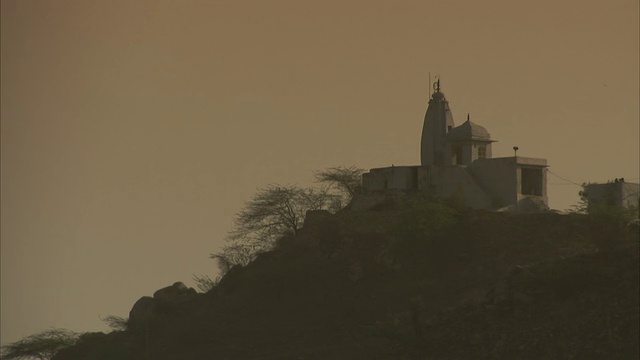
pixel 405 281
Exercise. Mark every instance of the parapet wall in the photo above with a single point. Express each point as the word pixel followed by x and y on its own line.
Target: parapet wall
pixel 484 184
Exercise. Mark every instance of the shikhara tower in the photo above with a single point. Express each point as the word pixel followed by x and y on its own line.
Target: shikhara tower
pixel 438 121
pixel 443 144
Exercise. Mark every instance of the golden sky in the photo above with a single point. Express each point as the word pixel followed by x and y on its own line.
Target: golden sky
pixel 133 130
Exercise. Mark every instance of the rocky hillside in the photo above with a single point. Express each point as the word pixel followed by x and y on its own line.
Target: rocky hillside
pixel 405 281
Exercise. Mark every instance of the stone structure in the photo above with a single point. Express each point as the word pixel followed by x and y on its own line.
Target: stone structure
pixel 457 162
pixel 617 194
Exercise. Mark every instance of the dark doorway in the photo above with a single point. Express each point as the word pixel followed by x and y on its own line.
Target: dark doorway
pixel 459 155
pixel 531 182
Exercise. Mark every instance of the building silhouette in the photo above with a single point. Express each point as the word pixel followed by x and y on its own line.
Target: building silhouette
pixel 614 194
pixel 456 161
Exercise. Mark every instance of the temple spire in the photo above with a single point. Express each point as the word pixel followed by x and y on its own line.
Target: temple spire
pixel 436 85
pixel 437 123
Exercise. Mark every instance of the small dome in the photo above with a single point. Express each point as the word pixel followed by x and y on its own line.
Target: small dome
pixel 469 131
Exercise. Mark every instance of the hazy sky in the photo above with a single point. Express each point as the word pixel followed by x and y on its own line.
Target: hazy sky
pixel 133 130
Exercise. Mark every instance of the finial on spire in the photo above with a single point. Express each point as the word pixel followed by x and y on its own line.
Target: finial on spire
pixel 436 85
pixel 467 116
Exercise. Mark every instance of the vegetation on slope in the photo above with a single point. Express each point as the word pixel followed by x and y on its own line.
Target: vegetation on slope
pixel 414 280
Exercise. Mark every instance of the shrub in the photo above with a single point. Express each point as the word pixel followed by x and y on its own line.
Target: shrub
pixel 42 345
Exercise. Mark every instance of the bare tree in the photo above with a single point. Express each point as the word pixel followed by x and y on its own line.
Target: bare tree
pixel 235 253
pixel 348 180
pixel 274 212
pixel 43 345
pixel 204 283
pixel 116 323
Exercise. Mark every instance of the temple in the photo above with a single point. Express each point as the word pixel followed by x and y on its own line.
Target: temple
pixel 456 161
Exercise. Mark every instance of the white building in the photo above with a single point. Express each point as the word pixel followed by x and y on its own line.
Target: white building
pixel 457 162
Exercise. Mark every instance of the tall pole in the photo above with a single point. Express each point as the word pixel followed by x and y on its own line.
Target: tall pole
pixel 515 154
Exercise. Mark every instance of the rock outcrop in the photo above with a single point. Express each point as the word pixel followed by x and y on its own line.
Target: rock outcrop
pixel 146 308
pixel 141 312
pixel 176 292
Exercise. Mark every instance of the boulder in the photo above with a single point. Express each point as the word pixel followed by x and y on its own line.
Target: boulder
pixel 141 311
pixel 176 292
pixel 147 307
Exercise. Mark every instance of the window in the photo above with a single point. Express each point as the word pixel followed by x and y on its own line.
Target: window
pixel 531 182
pixel 482 152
